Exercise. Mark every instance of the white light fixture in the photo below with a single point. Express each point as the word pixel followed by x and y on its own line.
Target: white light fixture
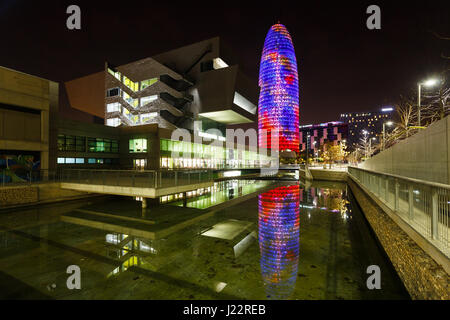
pixel 430 82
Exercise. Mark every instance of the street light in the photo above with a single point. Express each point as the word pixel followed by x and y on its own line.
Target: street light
pixel 370 145
pixel 389 123
pixel 427 83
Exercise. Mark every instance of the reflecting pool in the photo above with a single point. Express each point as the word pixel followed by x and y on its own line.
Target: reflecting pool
pixel 263 240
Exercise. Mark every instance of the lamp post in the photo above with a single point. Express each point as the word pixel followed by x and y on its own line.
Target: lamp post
pixel 364 132
pixel 370 145
pixel 389 123
pixel 428 83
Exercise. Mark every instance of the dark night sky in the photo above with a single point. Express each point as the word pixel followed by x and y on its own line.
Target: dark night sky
pixel 343 66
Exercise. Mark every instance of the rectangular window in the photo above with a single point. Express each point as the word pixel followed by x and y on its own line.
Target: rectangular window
pixel 100 145
pixel 116 74
pixel 145 117
pixel 137 145
pixel 113 92
pixel 80 144
pixel 114 146
pixel 107 145
pixel 148 99
pixel 91 160
pixel 61 160
pixel 113 107
pixel 113 122
pixel 148 83
pixel 79 160
pixel 61 142
pixel 70 160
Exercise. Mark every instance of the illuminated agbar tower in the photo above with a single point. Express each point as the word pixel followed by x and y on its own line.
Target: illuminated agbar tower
pixel 279 230
pixel 278 107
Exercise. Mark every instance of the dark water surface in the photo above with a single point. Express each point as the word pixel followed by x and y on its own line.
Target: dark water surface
pixel 285 242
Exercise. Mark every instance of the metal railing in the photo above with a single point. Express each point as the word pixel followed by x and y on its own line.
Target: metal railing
pixel 23 177
pixel 136 178
pixel 423 205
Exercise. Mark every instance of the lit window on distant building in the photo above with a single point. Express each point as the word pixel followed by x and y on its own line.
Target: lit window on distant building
pixel 113 122
pixel 145 100
pixel 113 107
pixel 113 92
pixel 137 145
pixel 148 83
pixel 145 117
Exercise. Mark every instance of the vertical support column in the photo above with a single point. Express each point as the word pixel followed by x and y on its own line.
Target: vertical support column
pixel 434 213
pixel 144 203
pixel 379 178
pixel 396 200
pixel 386 190
pixel 411 202
pixel 184 200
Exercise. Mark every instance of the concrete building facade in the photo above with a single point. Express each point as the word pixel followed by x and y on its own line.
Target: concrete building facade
pixel 27 103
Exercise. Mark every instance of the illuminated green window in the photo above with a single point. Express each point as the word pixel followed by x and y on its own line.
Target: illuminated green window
pixel 138 145
pixel 148 83
pixel 163 146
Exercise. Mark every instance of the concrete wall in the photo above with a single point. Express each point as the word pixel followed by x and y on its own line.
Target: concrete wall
pixel 27 102
pixel 48 192
pixel 423 156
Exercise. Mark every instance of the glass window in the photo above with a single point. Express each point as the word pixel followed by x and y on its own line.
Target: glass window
pixel 113 122
pixel 61 142
pixel 114 146
pixel 145 117
pixel 100 145
pixel 61 160
pixel 80 144
pixel 148 83
pixel 113 107
pixel 107 145
pixel 163 145
pixel 113 92
pixel 79 160
pixel 91 160
pixel 137 145
pixel 70 143
pixel 148 99
pixel 70 160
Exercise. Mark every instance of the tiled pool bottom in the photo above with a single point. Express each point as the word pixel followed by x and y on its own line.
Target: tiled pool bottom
pixel 287 243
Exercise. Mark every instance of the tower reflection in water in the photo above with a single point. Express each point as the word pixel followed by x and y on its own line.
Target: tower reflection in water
pixel 279 230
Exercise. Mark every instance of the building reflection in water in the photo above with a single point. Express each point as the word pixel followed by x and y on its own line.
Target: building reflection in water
pixel 127 250
pixel 279 230
pixel 327 199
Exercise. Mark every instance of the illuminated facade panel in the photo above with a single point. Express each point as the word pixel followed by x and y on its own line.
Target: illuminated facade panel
pixel 278 107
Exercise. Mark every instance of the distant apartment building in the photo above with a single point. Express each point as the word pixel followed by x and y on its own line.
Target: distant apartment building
pixel 314 136
pixel 27 104
pixel 368 121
